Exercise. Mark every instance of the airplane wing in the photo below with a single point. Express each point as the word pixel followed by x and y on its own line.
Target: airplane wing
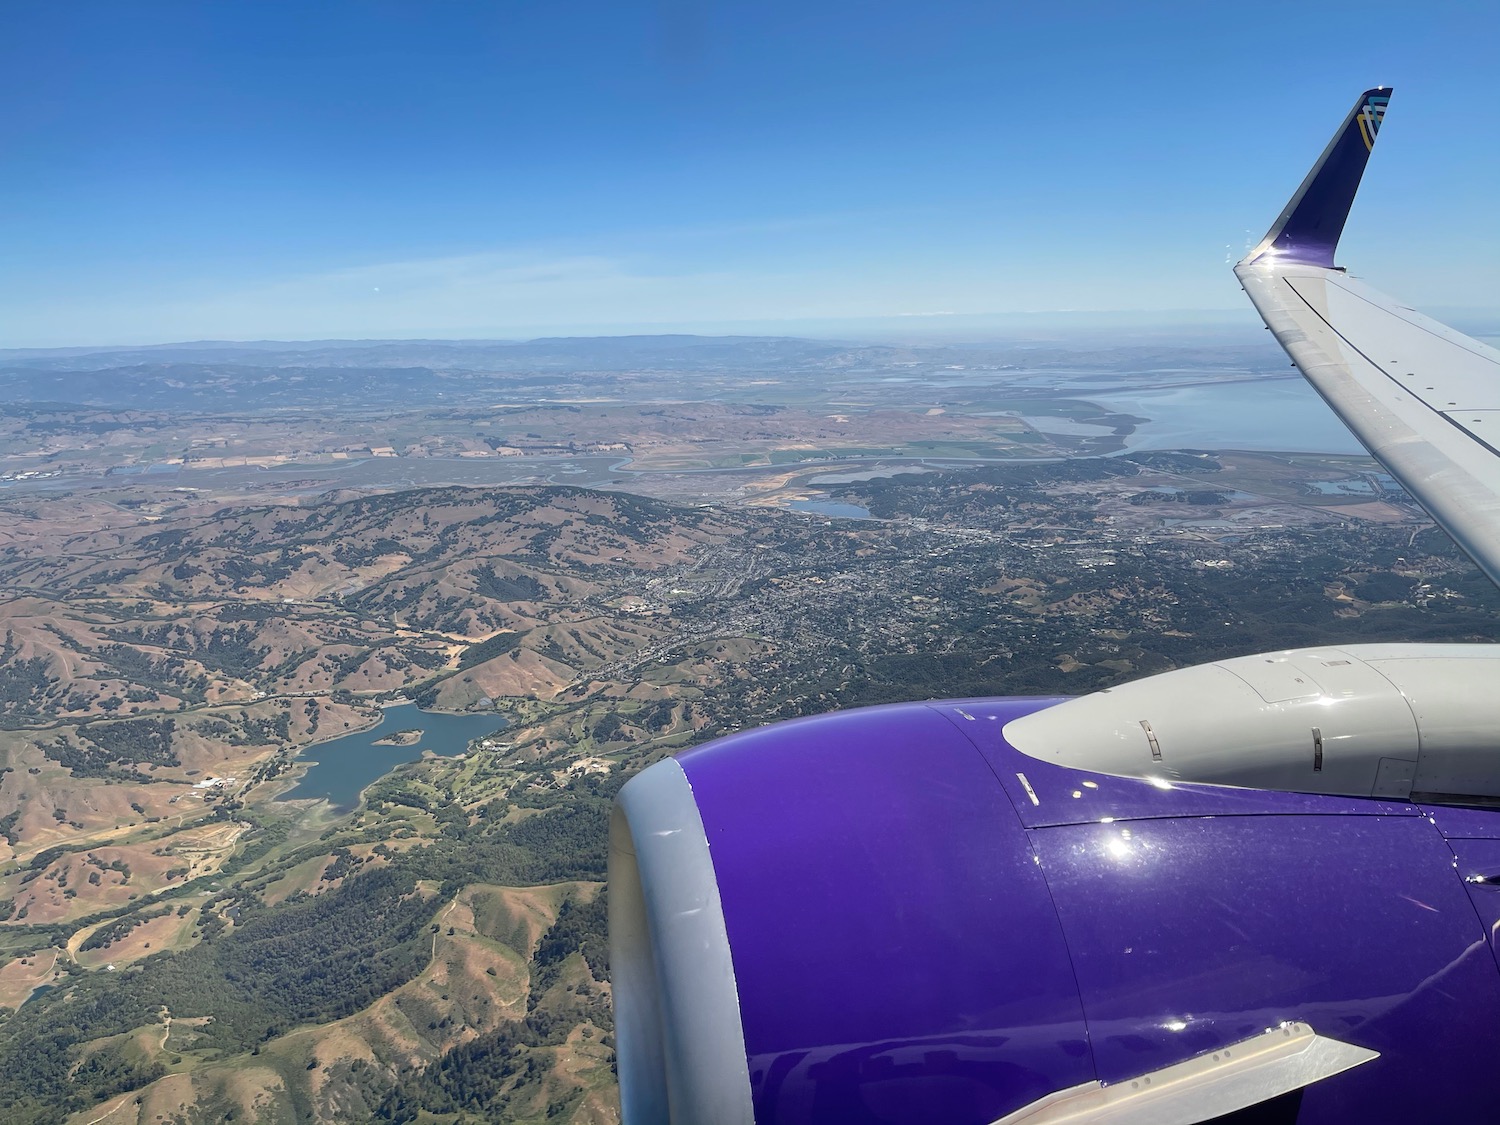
pixel 1423 398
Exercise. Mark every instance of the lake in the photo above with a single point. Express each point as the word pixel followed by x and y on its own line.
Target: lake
pixel 342 767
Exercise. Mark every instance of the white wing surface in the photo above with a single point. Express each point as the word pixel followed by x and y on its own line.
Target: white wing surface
pixel 1423 398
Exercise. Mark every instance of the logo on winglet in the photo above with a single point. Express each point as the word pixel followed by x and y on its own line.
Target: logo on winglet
pixel 1370 116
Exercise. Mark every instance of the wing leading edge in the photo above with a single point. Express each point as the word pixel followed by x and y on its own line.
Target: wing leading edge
pixel 1423 398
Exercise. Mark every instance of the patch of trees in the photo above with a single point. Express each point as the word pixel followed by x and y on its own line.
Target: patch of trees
pixel 240 570
pixel 114 744
pixel 112 932
pixel 1206 497
pixel 426 696
pixel 933 494
pixel 345 664
pixel 482 1076
pixel 292 662
pixel 157 673
pixel 73 427
pixel 564 843
pixel 426 658
pixel 638 514
pixel 163 541
pixel 396 789
pixel 356 553
pixel 498 645
pixel 477 1077
pixel 1383 587
pixel 500 588
pixel 250 611
pixel 449 615
pixel 83 761
pixel 25 685
pixel 549 648
pixel 392 599
pixel 655 716
pixel 232 651
pixel 344 863
pixel 261 730
pixel 580 928
pixel 609 729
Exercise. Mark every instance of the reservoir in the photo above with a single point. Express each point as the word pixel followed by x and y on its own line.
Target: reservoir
pixel 343 766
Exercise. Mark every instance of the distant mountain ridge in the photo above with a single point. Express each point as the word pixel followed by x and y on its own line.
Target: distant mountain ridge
pixel 211 376
pixel 399 374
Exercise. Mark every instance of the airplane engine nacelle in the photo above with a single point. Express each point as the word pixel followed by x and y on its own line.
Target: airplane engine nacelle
pixel 891 915
pixel 1387 720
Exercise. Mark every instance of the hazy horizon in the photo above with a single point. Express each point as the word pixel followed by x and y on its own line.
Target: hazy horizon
pixel 974 328
pixel 929 330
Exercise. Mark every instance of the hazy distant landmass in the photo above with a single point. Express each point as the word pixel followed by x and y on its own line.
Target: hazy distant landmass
pixel 407 372
pixel 241 420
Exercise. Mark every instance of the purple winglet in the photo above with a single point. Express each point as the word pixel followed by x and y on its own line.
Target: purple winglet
pixel 1307 231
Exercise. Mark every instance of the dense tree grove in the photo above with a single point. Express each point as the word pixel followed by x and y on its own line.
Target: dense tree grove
pixel 498 645
pixel 114 749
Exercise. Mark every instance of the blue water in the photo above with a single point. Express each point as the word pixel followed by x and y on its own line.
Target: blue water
pixel 1272 414
pixel 344 766
pixel 830 508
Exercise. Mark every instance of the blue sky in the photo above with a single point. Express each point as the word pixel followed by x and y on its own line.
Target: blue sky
pixel 299 170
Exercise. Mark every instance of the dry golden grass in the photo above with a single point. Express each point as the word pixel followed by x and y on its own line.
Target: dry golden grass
pixel 97 881
pixel 20 976
pixel 168 932
pixel 306 877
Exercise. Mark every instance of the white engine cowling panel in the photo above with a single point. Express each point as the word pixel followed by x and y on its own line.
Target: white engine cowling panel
pixel 1359 720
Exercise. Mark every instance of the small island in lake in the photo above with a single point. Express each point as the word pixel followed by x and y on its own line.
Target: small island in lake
pixel 400 737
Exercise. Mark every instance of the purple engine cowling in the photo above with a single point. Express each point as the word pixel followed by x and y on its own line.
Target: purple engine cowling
pixel 890 915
